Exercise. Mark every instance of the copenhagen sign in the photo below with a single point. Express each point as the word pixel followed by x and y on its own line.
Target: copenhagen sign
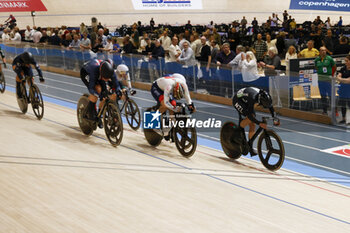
pixel 21 5
pixel 166 4
pixel 320 5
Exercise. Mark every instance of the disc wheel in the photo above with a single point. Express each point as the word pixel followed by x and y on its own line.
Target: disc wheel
pixel 86 126
pixel 113 124
pixel 37 102
pixel 2 82
pixel 231 140
pixel 23 101
pixel 185 140
pixel 270 142
pixel 132 114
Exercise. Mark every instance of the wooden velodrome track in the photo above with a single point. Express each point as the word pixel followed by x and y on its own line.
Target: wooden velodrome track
pixel 54 179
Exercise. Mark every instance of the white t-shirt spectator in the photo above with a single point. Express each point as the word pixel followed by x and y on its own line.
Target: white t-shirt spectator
pixel 173 51
pixel 17 37
pixel 28 35
pixel 85 42
pixel 166 42
pixel 37 36
pixel 109 46
pixel 5 37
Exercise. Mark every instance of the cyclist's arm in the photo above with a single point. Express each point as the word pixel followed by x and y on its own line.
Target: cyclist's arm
pixel 92 84
pixel 169 104
pixel 272 111
pixel 37 67
pixel 252 118
pixel 187 95
pixel 128 80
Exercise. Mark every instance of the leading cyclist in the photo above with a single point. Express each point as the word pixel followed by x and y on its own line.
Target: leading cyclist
pixel 22 67
pixel 244 102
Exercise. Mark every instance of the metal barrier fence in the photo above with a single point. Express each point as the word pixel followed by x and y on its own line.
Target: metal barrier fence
pixel 296 89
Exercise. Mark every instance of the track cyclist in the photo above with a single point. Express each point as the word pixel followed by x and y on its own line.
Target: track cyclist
pixel 22 67
pixel 96 75
pixel 244 102
pixel 123 78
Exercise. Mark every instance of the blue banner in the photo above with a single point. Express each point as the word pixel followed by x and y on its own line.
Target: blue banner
pixel 320 5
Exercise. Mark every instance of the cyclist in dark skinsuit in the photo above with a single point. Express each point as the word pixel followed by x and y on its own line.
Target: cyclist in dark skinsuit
pixel 244 102
pixel 22 67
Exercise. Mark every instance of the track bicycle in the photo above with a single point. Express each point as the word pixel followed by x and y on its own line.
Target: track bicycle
pixel 131 111
pixel 2 80
pixel 185 138
pixel 270 146
pixel 110 115
pixel 34 97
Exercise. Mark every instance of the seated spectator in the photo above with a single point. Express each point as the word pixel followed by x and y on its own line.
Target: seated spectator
pixel 83 29
pixel 116 46
pixel 291 54
pixel 85 43
pixel 109 46
pixel 270 43
pixel 158 51
pixel 310 51
pixel 143 42
pixel 128 47
pixel 17 36
pixel 44 38
pixel 343 47
pixel 104 38
pixel 271 63
pixel 329 42
pixel 182 40
pixel 215 49
pixel 149 47
pixel 75 43
pixel 55 39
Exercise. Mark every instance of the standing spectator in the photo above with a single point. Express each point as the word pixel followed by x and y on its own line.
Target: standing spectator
pixel 249 67
pixel 233 38
pixel 99 26
pixel 135 36
pixel 143 42
pixel 217 36
pixel 291 54
pixel 75 43
pixel 215 49
pixel 85 43
pixel 17 36
pixel 328 23
pixel 83 29
pixel 174 52
pixel 290 42
pixel 329 42
pixel 244 22
pixel 310 51
pixel 340 22
pixel 344 90
pixel 285 16
pixel 225 56
pixel 343 47
pixel 155 59
pixel 158 51
pixel 259 48
pixel 270 43
pixel 93 36
pixel 128 47
pixel 188 26
pixel 149 47
pixel 326 68
pixel 55 39
pixel 109 46
pixel 187 59
pixel 37 35
pixel 28 34
pixel 196 45
pixel 255 25
pixel 104 38
pixel 165 40
pixel 116 46
pixel 182 40
pixel 97 45
pixel 292 26
pixel 280 44
pixel 205 57
pixel 236 62
pixel 5 35
pixel 152 24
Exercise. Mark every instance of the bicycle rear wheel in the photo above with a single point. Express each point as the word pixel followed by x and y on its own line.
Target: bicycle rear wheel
pixel 132 114
pixel 86 126
pixel 36 100
pixel 2 82
pixel 231 140
pixel 113 124
pixel 274 148
pixel 23 101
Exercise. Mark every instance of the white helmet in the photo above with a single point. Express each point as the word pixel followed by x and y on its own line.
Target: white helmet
pixel 122 69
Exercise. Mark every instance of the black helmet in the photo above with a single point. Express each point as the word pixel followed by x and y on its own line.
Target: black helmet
pixel 264 99
pixel 27 57
pixel 106 70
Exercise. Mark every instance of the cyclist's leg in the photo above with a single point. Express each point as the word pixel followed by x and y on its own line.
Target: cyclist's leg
pixel 19 79
pixel 158 95
pixel 83 76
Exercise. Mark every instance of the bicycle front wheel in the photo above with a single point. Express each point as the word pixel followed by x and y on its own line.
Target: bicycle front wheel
pixel 185 140
pixel 271 144
pixel 132 114
pixel 37 102
pixel 23 101
pixel 113 124
pixel 2 82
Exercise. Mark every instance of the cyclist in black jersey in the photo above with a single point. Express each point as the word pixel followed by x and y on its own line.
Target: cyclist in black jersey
pixel 22 67
pixel 244 102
